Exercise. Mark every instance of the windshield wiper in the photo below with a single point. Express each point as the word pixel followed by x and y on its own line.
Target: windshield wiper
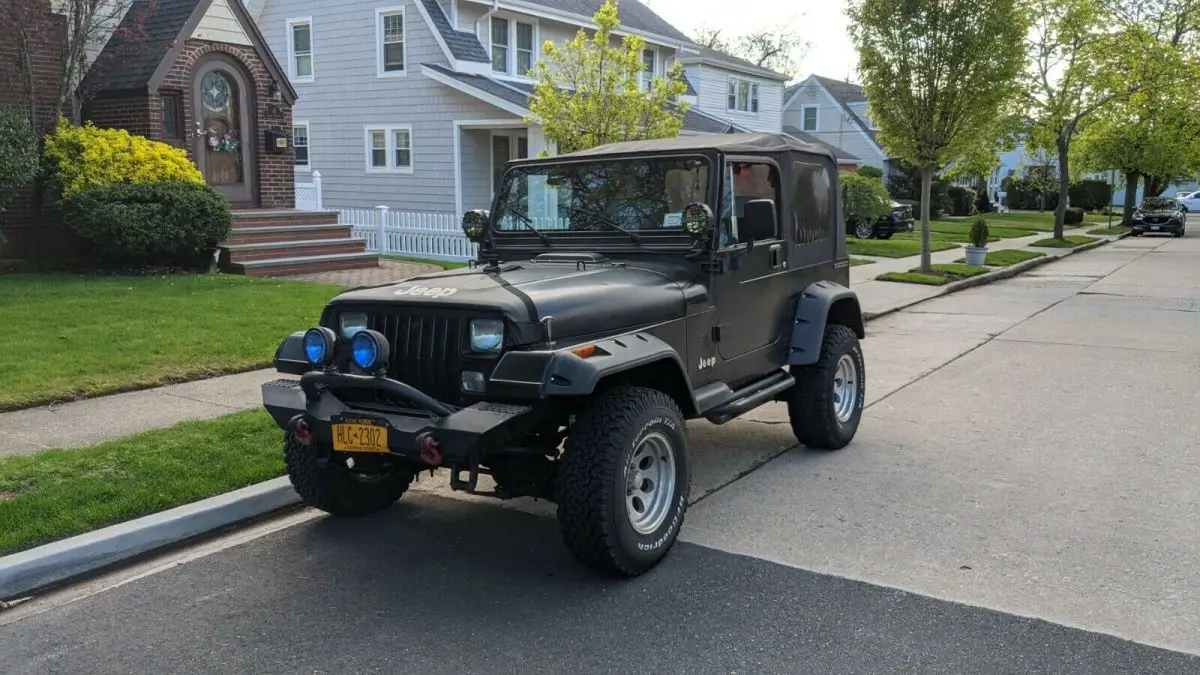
pixel 528 224
pixel 600 217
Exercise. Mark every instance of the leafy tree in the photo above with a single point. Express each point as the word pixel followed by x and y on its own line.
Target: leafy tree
pixel 938 74
pixel 588 90
pixel 864 200
pixel 777 49
pixel 870 172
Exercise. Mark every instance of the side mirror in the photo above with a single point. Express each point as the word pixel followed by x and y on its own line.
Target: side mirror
pixel 475 225
pixel 759 220
pixel 698 222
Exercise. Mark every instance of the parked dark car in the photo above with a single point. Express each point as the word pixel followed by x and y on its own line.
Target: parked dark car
pixel 619 292
pixel 1159 214
pixel 899 220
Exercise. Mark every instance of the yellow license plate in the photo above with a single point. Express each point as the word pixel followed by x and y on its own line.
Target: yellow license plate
pixel 360 438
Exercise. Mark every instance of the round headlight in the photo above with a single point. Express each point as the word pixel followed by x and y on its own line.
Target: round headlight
pixel 369 350
pixel 487 335
pixel 318 345
pixel 352 323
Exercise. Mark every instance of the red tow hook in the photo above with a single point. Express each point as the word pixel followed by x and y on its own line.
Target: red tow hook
pixel 301 430
pixel 431 454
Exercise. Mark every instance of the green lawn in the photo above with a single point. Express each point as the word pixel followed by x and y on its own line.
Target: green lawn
pixel 942 274
pixel 55 494
pixel 892 248
pixel 1107 231
pixel 69 337
pixel 956 230
pixel 1065 242
pixel 1007 257
pixel 855 262
pixel 1025 220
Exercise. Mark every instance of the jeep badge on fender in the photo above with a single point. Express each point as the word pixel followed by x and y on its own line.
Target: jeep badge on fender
pixel 641 257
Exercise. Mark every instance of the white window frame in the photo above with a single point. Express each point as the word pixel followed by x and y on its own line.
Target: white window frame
pixel 380 13
pixel 389 132
pixel 804 117
pixel 646 77
pixel 752 96
pixel 307 167
pixel 510 65
pixel 312 49
pixel 514 139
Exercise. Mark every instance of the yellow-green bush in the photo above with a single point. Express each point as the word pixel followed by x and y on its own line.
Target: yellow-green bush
pixel 87 156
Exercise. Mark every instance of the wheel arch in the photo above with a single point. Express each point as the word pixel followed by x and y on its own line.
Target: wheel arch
pixel 822 303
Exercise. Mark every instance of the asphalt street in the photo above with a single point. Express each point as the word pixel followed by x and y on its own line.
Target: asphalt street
pixel 1023 496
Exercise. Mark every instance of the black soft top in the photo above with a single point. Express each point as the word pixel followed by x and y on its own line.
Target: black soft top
pixel 749 143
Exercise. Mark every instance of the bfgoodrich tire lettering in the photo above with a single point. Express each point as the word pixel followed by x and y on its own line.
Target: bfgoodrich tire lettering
pixel 593 508
pixel 812 405
pixel 335 489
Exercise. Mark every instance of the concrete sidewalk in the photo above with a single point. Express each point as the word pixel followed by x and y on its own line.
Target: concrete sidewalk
pixel 81 423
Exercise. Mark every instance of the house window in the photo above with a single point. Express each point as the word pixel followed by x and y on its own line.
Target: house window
pixel 300 52
pixel 809 122
pixel 514 46
pixel 812 202
pixel 390 27
pixel 647 76
pixel 172 108
pixel 743 95
pixel 300 144
pixel 389 148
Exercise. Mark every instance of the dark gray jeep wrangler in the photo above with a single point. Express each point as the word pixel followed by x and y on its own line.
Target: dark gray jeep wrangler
pixel 618 292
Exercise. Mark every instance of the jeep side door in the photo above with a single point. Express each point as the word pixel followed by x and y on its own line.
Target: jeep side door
pixel 753 279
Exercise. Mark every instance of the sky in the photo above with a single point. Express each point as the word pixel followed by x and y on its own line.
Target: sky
pixel 822 24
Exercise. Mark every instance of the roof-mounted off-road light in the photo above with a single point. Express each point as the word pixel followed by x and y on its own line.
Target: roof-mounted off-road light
pixel 318 345
pixel 369 351
pixel 698 222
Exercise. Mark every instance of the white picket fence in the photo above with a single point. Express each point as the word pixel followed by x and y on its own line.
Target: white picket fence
pixel 436 236
pixel 308 195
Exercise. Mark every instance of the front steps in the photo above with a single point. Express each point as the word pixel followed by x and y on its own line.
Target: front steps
pixel 286 242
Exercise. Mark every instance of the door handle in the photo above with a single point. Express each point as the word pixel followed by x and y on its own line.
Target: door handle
pixel 777 259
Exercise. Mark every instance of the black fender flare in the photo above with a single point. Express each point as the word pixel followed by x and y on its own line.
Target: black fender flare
pixel 822 303
pixel 290 357
pixel 546 374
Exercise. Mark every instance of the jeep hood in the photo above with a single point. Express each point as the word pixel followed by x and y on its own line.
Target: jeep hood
pixel 597 298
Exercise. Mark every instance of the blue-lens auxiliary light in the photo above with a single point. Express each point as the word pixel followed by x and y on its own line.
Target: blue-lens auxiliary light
pixel 369 351
pixel 318 345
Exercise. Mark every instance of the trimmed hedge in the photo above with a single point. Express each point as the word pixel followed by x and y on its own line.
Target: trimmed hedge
pixel 864 199
pixel 1073 216
pixel 962 201
pixel 870 172
pixel 1089 195
pixel 88 156
pixel 138 225
pixel 18 154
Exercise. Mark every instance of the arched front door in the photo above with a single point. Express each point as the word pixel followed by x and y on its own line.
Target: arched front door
pixel 223 101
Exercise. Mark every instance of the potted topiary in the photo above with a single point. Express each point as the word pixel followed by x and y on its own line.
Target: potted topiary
pixel 977 249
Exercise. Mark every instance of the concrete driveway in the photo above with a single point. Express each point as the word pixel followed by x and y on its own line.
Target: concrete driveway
pixel 1024 496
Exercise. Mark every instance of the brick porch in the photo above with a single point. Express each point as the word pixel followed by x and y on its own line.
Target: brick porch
pixel 287 242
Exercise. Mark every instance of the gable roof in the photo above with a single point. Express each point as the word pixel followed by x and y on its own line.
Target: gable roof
pixel 463 46
pixel 846 93
pixel 145 45
pixel 722 59
pixel 634 14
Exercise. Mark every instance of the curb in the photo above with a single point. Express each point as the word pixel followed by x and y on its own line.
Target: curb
pixel 66 559
pixel 998 275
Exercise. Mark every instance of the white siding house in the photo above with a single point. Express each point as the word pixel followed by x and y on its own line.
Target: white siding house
pixel 833 112
pixel 735 90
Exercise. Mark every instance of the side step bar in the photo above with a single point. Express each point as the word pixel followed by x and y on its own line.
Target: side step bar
pixel 751 397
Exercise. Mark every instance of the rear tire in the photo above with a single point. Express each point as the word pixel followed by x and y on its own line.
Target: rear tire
pixel 624 481
pixel 885 235
pixel 825 406
pixel 337 490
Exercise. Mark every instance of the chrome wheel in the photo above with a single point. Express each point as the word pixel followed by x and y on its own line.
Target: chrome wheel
pixel 650 483
pixel 863 230
pixel 845 388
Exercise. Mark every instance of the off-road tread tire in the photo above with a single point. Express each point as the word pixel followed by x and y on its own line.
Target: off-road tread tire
pixel 810 401
pixel 333 490
pixel 591 462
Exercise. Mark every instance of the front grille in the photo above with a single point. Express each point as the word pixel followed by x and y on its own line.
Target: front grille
pixel 427 348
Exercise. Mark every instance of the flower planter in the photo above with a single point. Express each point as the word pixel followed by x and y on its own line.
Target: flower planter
pixel 976 255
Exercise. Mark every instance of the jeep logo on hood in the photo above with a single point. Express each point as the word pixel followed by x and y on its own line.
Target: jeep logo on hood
pixel 427 291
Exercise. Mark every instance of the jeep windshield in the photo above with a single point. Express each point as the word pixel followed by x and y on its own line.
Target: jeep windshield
pixel 621 196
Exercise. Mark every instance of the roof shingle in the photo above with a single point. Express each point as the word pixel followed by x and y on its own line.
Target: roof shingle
pixel 139 44
pixel 463 45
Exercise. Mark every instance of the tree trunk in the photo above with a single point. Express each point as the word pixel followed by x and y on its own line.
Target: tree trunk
pixel 1064 185
pixel 1154 186
pixel 1131 184
pixel 926 189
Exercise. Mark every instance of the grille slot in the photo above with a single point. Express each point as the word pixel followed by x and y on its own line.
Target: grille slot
pixel 427 348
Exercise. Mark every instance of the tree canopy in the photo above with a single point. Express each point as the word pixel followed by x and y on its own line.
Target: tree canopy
pixel 778 49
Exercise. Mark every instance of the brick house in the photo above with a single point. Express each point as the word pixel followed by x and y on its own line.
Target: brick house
pixel 198 74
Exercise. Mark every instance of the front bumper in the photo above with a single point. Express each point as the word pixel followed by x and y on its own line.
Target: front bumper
pixel 1173 225
pixel 429 433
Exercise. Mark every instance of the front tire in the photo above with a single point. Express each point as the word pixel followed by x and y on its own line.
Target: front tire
pixel 624 481
pixel 864 231
pixel 825 406
pixel 336 490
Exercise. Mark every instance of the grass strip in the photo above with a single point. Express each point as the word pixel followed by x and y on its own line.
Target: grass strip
pixel 1070 241
pixel 942 274
pixel 893 248
pixel 1007 257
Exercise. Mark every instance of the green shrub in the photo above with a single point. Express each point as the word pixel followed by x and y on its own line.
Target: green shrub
pixel 864 200
pixel 18 155
pixel 983 201
pixel 979 233
pixel 1074 216
pixel 1090 195
pixel 962 201
pixel 136 225
pixel 870 172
